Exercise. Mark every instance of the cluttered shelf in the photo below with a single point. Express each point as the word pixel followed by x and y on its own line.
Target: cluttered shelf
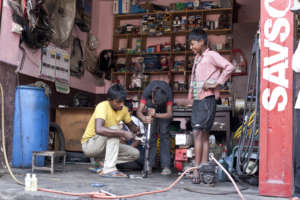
pixel 188 52
pixel 155 43
pixel 147 73
pixel 185 91
pixel 136 35
pixel 181 12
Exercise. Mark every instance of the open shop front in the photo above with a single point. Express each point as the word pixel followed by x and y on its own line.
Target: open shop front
pixel 92 45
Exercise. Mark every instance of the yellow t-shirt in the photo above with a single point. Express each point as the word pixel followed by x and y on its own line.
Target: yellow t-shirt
pixel 110 116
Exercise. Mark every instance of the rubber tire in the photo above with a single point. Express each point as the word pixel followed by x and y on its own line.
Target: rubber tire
pixel 55 128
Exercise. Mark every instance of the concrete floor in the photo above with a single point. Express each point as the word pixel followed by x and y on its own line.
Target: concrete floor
pixel 76 178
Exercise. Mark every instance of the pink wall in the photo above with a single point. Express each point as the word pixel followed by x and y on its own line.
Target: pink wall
pixel 11 54
pixel 102 26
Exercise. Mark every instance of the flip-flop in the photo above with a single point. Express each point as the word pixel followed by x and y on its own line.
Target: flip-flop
pixel 113 174
pixel 95 169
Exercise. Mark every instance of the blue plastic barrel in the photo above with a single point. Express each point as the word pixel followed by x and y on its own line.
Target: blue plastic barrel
pixel 31 125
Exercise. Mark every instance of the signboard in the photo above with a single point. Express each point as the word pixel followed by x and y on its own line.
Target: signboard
pixel 276 98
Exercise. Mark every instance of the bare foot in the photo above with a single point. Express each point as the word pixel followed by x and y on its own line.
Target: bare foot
pixel 196 177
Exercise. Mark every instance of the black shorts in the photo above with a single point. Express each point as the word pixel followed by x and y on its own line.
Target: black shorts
pixel 203 114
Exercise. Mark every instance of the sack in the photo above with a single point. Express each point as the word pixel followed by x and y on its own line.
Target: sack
pixel 91 60
pixel 76 62
pixel 62 17
pixel 91 57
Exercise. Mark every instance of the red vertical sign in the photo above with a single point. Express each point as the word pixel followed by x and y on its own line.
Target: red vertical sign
pixel 276 98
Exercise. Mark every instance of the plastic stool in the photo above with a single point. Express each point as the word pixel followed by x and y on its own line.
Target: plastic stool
pixel 52 155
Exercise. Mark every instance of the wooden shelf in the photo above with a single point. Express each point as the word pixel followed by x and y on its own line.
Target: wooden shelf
pixel 181 12
pixel 148 73
pixel 174 91
pixel 166 53
pixel 138 35
pixel 180 91
pixel 132 92
pixel 157 73
pixel 239 73
pixel 118 73
pixel 171 36
pixel 143 54
pixel 224 91
pixel 181 72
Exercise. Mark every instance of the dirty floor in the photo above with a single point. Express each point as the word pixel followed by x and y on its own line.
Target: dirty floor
pixel 76 178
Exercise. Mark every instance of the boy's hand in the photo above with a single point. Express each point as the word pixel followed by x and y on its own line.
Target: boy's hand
pixel 136 130
pixel 127 135
pixel 208 85
pixel 151 112
pixel 147 119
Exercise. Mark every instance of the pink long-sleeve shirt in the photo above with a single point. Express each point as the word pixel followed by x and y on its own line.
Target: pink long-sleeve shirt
pixel 209 66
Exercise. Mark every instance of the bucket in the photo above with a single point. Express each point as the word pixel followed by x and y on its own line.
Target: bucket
pixel 31 125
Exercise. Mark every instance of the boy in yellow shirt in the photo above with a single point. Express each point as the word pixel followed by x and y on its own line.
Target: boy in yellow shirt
pixel 101 138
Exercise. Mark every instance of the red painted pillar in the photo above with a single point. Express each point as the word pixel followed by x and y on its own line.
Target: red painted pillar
pixel 276 98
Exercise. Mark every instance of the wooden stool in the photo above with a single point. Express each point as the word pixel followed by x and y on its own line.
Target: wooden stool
pixel 52 155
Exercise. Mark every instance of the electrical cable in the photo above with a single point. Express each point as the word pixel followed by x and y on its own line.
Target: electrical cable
pixel 215 193
pixel 230 178
pixel 249 130
pixel 100 195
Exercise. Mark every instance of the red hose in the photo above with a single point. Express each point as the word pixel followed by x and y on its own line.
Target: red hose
pixel 104 195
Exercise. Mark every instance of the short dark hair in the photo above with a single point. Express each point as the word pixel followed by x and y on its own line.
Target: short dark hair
pixel 129 105
pixel 159 96
pixel 198 34
pixel 117 92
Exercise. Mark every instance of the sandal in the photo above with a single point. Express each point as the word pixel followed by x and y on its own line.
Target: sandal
pixel 95 169
pixel 196 177
pixel 113 174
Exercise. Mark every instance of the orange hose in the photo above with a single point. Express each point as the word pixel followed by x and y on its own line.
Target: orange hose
pixel 231 179
pixel 104 195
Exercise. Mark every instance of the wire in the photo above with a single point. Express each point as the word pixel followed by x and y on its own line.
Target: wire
pixel 230 178
pixel 215 193
pixel 100 195
pixel 249 130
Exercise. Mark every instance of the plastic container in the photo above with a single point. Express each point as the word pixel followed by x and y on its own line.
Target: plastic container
pixel 31 125
pixel 27 182
pixel 222 177
pixel 34 183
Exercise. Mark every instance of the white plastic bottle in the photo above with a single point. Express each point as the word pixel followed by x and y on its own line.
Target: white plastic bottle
pixel 34 183
pixel 28 182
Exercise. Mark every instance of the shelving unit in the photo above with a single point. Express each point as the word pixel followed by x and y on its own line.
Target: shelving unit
pixel 171 36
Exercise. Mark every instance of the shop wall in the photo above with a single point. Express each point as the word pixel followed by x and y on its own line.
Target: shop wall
pixel 102 26
pixel 12 55
pixel 244 31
